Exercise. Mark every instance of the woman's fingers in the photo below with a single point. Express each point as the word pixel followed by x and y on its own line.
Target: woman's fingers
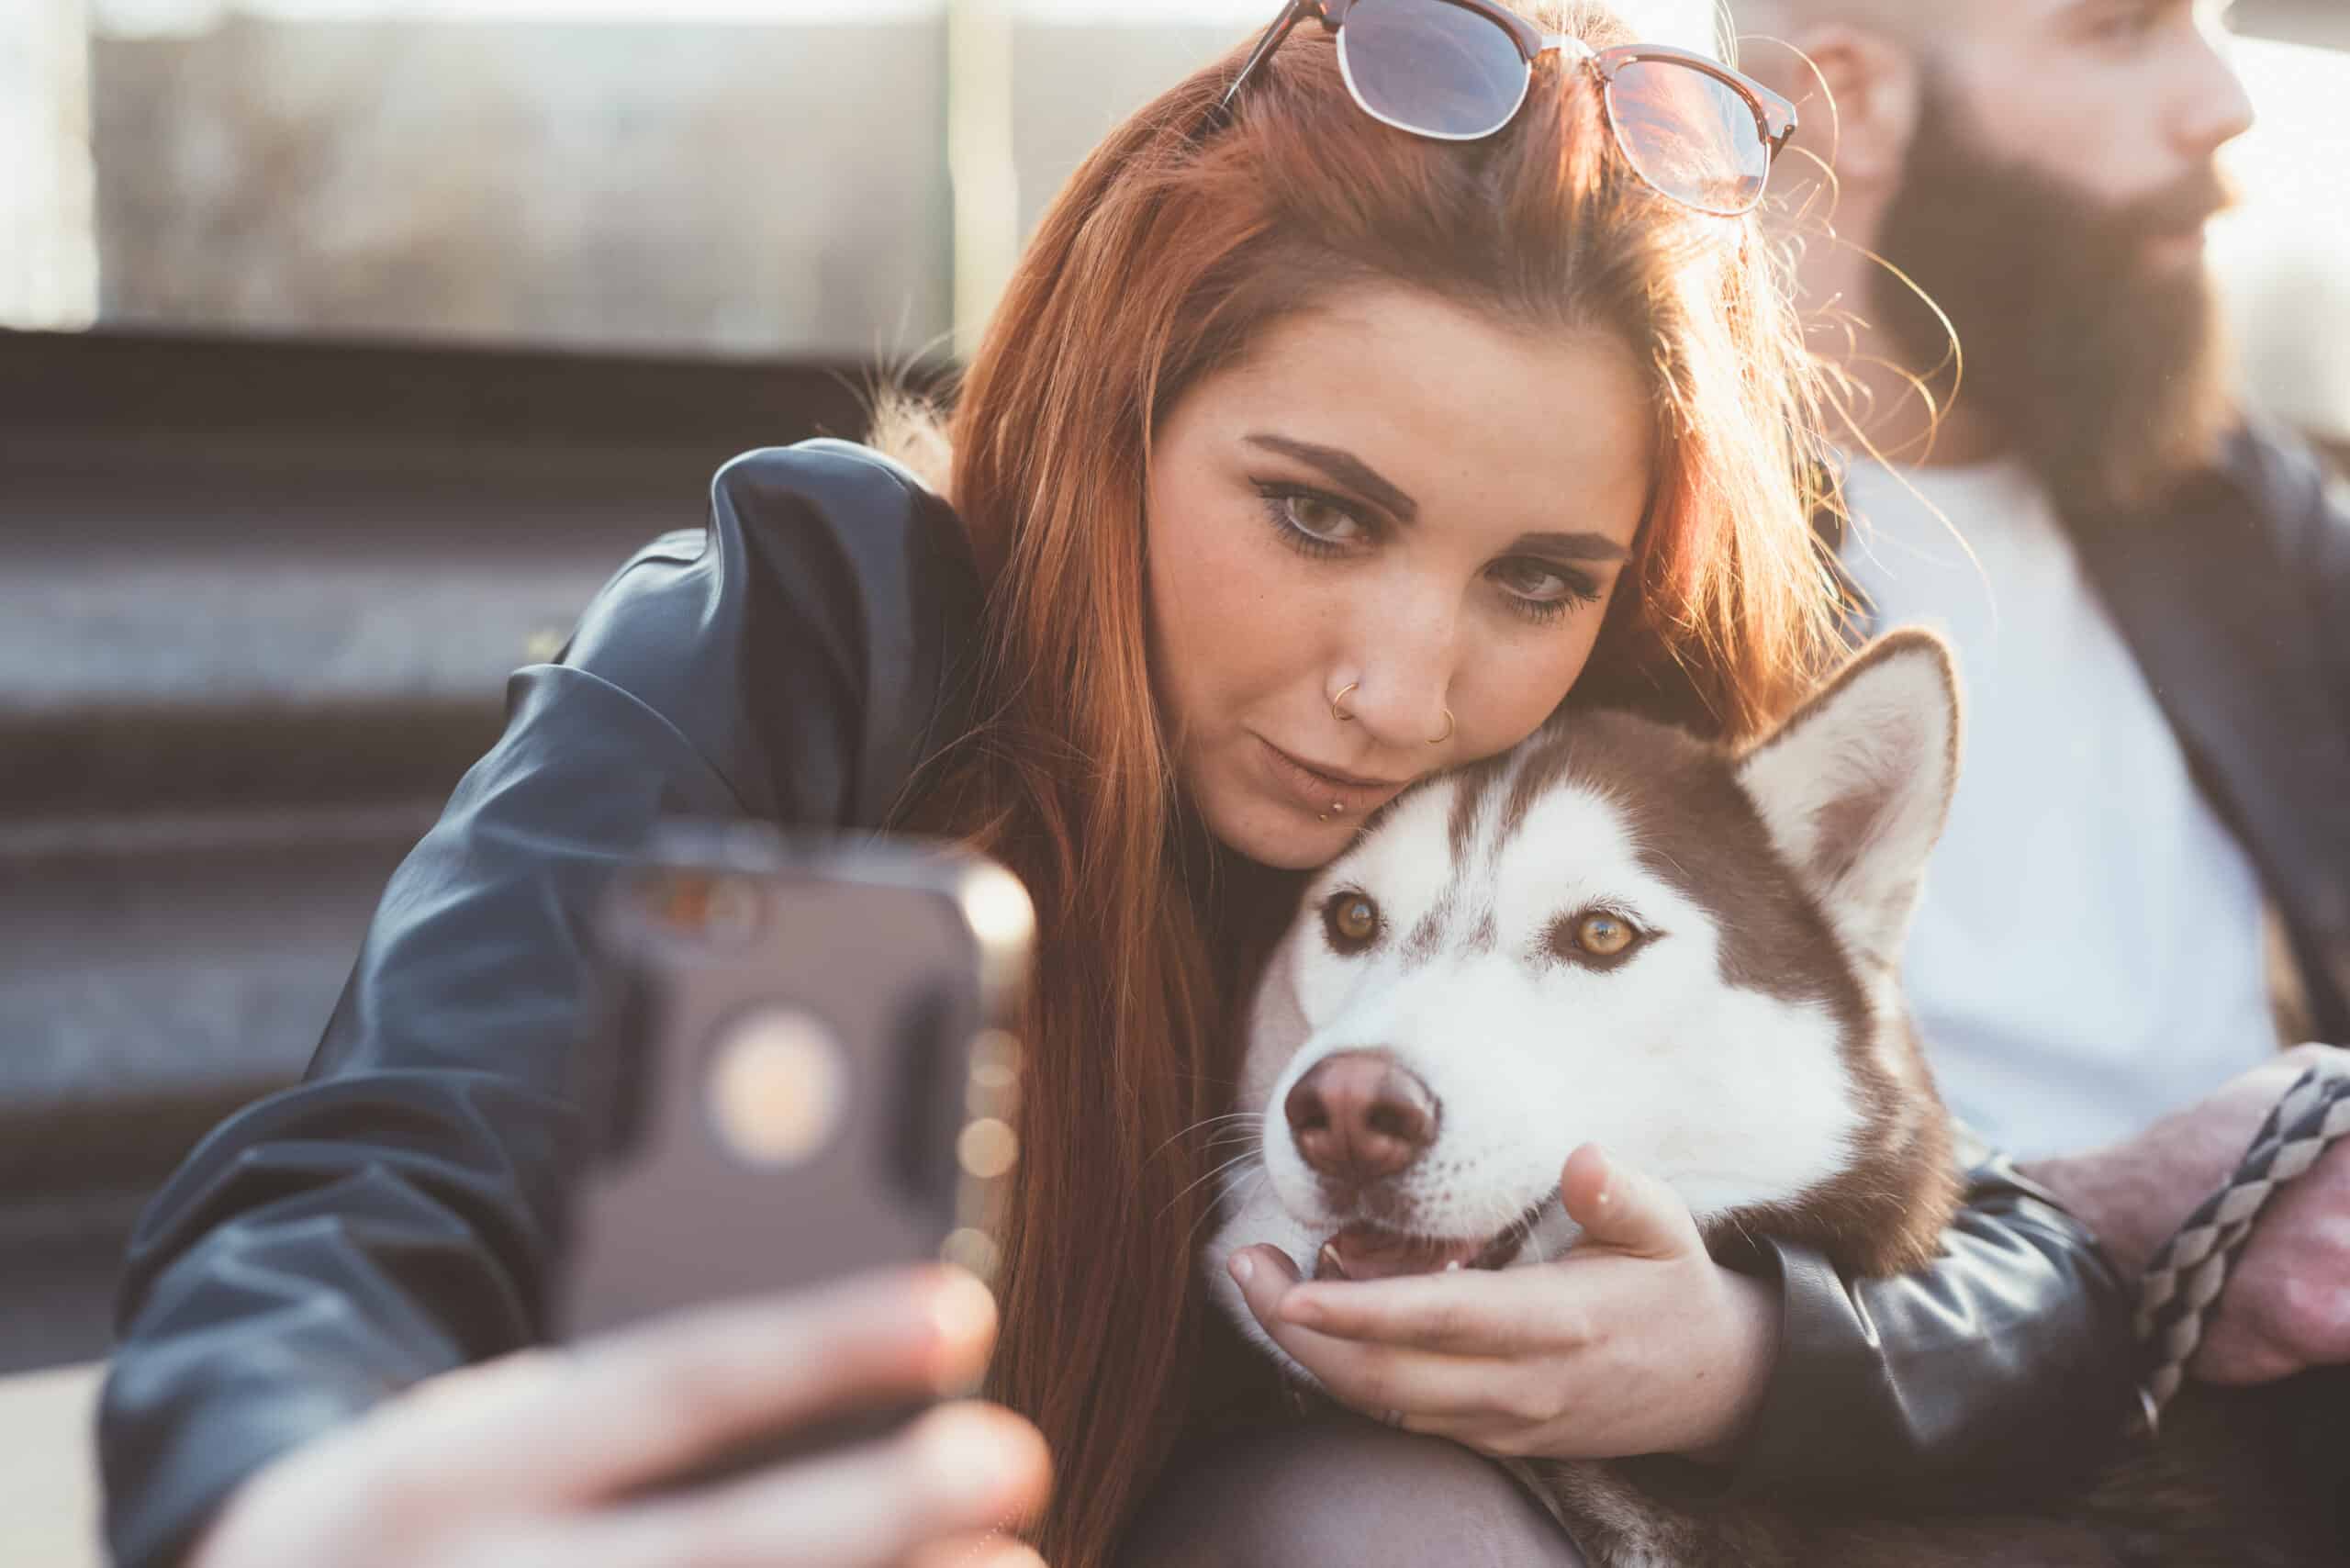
pixel 994 1549
pixel 1468 1312
pixel 657 1397
pixel 958 1470
pixel 1624 1208
pixel 1377 1379
pixel 528 1461
pixel 1371 1375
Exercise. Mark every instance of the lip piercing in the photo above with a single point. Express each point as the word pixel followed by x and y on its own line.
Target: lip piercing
pixel 1338 809
pixel 1448 727
pixel 1335 712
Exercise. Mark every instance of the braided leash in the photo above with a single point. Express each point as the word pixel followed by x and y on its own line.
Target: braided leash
pixel 2186 1275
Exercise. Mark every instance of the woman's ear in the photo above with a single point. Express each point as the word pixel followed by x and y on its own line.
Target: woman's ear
pixel 1858 85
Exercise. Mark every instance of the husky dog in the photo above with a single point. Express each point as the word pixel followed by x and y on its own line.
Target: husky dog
pixel 1619 934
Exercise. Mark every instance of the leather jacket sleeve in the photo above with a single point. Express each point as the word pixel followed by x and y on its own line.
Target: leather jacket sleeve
pixel 2003 1370
pixel 391 1217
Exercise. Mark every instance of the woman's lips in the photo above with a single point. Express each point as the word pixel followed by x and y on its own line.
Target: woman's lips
pixel 1318 791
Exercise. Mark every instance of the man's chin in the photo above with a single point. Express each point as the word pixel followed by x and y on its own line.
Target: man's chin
pixel 2175 255
pixel 2092 339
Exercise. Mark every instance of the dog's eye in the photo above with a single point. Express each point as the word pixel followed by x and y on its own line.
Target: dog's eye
pixel 1603 936
pixel 1597 939
pixel 1352 921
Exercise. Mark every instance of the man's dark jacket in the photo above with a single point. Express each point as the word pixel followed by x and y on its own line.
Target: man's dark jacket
pixel 2235 600
pixel 397 1213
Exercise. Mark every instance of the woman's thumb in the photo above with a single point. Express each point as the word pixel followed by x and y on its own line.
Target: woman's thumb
pixel 1627 1209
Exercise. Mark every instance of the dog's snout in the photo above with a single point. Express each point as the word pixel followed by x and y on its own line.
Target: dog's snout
pixel 1357 1116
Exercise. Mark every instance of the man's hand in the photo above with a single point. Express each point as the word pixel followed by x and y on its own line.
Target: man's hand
pixel 2287 1306
pixel 1634 1342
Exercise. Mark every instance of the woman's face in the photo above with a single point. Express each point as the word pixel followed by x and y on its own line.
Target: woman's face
pixel 1393 494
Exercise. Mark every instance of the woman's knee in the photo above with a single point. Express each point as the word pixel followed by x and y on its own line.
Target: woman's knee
pixel 1341 1492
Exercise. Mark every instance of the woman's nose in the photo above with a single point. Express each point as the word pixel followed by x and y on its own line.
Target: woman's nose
pixel 1406 656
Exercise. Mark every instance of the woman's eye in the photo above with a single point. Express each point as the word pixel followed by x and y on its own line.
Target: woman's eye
pixel 1542 592
pixel 1532 579
pixel 1351 919
pixel 1317 518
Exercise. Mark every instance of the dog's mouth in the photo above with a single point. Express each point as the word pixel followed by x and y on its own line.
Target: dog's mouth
pixel 1367 1250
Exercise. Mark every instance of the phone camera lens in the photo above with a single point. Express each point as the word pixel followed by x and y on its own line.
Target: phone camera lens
pixel 712 910
pixel 777 1087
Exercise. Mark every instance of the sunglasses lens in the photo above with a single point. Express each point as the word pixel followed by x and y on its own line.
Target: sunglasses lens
pixel 1435 68
pixel 1690 134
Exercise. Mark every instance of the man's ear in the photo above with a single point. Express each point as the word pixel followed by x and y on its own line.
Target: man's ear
pixel 1854 787
pixel 1856 92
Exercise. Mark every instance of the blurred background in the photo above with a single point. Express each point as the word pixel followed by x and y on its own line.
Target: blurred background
pixel 346 346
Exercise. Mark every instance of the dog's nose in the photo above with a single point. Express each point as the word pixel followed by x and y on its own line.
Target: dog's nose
pixel 1357 1116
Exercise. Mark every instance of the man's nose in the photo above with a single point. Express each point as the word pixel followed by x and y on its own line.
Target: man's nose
pixel 1357 1117
pixel 2214 107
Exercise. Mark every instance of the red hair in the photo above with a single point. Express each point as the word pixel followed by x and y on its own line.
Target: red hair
pixel 1158 261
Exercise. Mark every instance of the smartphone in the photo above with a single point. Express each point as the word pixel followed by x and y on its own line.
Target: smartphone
pixel 800 1067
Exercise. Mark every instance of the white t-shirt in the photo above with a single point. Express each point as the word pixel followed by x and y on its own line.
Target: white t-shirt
pixel 2089 950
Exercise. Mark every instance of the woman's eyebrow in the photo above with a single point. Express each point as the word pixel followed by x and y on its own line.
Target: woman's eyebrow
pixel 1347 469
pixel 1573 546
pixel 1352 471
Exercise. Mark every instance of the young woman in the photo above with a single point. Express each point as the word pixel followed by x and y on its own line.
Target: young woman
pixel 1354 403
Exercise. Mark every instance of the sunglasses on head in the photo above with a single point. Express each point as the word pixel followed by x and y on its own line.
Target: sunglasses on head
pixel 1458 70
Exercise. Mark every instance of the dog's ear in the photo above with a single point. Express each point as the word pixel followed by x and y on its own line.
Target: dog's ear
pixel 1855 786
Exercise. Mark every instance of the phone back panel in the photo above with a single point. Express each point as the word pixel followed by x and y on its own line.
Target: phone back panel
pixel 814 1085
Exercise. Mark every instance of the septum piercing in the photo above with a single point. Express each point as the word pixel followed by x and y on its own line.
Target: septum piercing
pixel 1448 727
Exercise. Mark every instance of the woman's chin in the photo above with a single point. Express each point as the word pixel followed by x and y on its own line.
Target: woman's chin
pixel 1283 837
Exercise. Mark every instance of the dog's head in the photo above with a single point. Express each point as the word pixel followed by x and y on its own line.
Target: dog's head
pixel 1619 934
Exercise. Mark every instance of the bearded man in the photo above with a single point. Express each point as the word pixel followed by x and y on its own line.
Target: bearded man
pixel 2149 588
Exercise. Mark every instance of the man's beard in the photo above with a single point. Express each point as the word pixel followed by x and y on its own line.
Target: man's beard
pixel 2110 380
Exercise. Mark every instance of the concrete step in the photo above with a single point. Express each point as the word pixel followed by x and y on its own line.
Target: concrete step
pixel 156 968
pixel 157 972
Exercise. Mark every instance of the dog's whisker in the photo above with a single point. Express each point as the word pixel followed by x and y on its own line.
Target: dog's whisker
pixel 1211 1175
pixel 1241 1200
pixel 1534 1236
pixel 1209 1121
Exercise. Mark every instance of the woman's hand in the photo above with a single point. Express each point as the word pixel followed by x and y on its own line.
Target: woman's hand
pixel 1635 1342
pixel 520 1463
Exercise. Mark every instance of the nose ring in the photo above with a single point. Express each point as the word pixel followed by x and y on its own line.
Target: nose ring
pixel 1335 712
pixel 1448 728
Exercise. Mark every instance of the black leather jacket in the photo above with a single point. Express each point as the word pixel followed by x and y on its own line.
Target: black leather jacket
pixel 391 1218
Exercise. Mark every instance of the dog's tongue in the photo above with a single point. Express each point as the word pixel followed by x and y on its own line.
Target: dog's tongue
pixel 1368 1252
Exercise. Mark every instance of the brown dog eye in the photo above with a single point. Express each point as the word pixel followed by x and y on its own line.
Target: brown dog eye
pixel 1352 921
pixel 1603 936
